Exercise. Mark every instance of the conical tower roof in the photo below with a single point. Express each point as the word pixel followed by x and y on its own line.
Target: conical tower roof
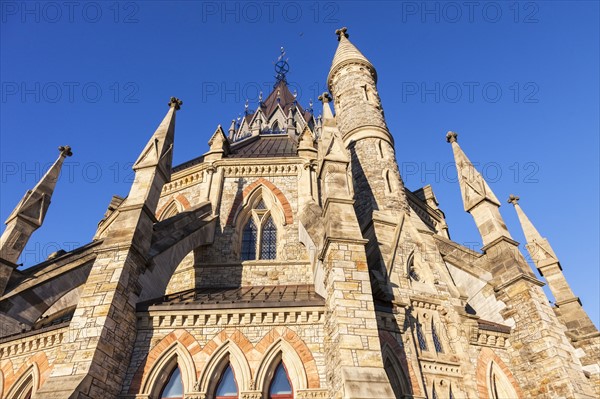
pixel 346 53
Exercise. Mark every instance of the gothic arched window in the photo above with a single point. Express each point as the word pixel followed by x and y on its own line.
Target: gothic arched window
pixel 259 235
pixel 396 377
pixel 268 240
pixel 227 387
pixel 280 387
pixel 173 389
pixel 249 238
pixel 275 127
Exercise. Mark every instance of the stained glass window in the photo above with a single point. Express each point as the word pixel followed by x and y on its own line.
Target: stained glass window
pixel 174 387
pixel 227 387
pixel 269 240
pixel 249 236
pixel 420 336
pixel 280 385
pixel 434 393
pixel 436 339
pixel 451 396
pixel 261 205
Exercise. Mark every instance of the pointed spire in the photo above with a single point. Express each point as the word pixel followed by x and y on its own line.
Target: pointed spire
pixel 159 149
pixel 232 129
pixel 539 248
pixel 473 187
pixel 29 214
pixel 478 198
pixel 325 98
pixel 35 202
pixel 346 53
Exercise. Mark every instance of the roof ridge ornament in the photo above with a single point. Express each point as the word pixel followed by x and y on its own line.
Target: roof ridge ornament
pixel 342 31
pixel 451 137
pixel 325 97
pixel 175 103
pixel 281 68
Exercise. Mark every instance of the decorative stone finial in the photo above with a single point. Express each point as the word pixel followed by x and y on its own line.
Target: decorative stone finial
pixel 451 137
pixel 340 32
pixel 175 103
pixel 325 97
pixel 65 150
pixel 513 199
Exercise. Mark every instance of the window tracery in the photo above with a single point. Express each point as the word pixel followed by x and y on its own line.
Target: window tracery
pixel 259 235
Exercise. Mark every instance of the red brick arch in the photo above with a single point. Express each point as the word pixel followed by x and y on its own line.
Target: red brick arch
pixel 179 198
pixel 239 199
pixel 39 359
pixel 181 336
pixel 305 355
pixel 253 353
pixel 387 338
pixel 486 356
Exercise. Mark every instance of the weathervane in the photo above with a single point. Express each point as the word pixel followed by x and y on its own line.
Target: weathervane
pixel 281 68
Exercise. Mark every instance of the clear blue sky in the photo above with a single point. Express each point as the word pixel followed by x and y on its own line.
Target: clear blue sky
pixel 519 82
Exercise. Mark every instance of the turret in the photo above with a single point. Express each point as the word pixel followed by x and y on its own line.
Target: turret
pixel 359 117
pixel 478 198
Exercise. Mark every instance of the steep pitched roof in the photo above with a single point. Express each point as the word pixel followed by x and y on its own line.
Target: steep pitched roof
pixel 265 146
pixel 286 100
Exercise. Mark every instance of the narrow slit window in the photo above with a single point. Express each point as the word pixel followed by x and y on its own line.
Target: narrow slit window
pixel 387 181
pixel 420 336
pixel 227 387
pixel 174 387
pixel 436 339
pixel 269 240
pixel 280 387
pixel 249 236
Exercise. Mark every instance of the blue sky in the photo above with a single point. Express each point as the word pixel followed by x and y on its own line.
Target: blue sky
pixel 518 81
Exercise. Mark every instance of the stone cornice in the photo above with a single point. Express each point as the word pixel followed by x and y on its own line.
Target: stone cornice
pixel 33 341
pixel 186 318
pixel 519 277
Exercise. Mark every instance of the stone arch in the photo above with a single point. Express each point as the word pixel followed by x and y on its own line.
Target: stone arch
pixel 177 348
pixel 28 380
pixel 228 353
pixel 6 369
pixel 395 372
pixel 242 198
pixel 172 207
pixel 489 365
pixel 391 347
pixel 281 343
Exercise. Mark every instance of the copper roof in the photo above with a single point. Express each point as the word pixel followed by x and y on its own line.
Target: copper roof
pixel 286 100
pixel 237 297
pixel 265 146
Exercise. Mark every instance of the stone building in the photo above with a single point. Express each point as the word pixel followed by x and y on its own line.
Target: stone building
pixel 289 261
